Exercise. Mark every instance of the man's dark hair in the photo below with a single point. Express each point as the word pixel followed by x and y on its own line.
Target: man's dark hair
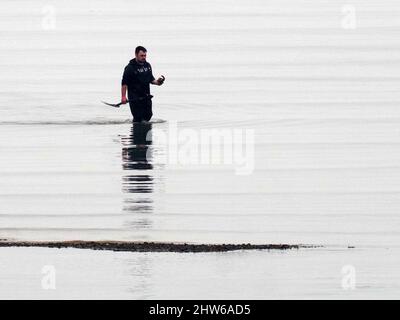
pixel 140 48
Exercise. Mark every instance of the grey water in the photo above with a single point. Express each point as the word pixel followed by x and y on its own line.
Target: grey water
pixel 316 82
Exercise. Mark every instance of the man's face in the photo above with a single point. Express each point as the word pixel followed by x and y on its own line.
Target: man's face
pixel 141 56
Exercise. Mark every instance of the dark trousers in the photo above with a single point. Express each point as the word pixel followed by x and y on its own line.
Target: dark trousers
pixel 141 109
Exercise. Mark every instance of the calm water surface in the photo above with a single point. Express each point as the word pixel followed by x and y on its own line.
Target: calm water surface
pixel 320 97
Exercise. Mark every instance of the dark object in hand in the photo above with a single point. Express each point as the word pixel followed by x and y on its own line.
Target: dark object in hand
pixel 161 80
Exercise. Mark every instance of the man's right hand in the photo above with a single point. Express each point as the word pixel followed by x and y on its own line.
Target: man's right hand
pixel 124 100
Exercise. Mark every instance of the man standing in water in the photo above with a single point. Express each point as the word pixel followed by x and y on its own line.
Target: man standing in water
pixel 136 79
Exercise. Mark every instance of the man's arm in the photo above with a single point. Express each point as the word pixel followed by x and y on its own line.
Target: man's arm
pixel 124 84
pixel 159 81
pixel 123 93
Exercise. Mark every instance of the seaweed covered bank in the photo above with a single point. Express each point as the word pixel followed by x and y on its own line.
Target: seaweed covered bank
pixel 147 246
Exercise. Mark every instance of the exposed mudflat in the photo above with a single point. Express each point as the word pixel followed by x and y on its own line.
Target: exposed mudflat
pixel 147 246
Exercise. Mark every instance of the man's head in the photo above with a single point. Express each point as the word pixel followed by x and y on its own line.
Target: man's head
pixel 140 54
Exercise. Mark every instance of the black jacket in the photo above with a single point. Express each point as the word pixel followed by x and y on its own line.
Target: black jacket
pixel 137 77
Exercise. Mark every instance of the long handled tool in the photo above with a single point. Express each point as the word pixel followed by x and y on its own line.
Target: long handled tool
pixel 117 105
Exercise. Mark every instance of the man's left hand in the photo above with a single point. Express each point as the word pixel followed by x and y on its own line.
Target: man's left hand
pixel 161 80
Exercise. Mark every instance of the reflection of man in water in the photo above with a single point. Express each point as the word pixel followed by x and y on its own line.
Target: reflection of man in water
pixel 135 152
pixel 137 177
pixel 137 78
